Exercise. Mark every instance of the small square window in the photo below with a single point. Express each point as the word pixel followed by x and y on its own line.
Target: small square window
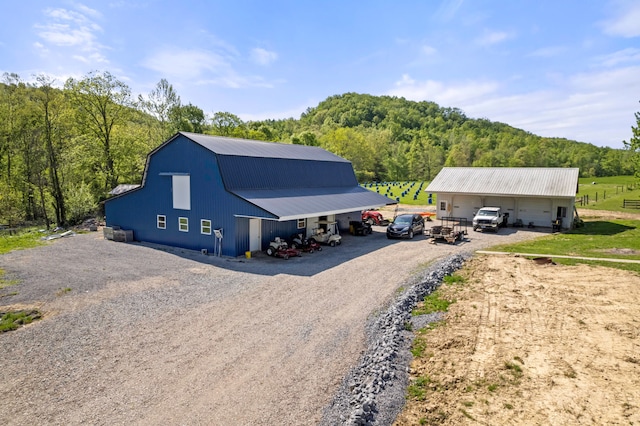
pixel 443 205
pixel 302 223
pixel 183 224
pixel 161 221
pixel 205 226
pixel 561 212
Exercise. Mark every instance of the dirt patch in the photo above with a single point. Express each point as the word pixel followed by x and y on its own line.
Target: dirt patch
pixel 606 214
pixel 621 251
pixel 531 343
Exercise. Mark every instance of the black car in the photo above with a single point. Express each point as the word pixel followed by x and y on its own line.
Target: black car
pixel 405 225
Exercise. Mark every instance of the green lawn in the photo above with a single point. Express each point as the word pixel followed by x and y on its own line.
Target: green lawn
pixel 608 193
pixel 24 239
pixel 619 239
pixel 409 192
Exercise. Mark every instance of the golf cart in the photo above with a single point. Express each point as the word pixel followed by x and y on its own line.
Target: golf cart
pixel 328 234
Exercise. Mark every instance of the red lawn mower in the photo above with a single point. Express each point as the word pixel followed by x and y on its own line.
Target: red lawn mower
pixel 279 248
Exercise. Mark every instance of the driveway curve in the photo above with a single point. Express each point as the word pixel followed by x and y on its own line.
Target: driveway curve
pixel 144 334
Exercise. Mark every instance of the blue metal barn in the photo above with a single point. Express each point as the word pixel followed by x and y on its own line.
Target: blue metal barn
pixel 198 188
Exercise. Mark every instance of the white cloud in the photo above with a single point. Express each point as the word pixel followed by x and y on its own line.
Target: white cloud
pixel 448 9
pixel 277 115
pixel 429 50
pixel 626 22
pixel 596 107
pixel 623 56
pixel 64 35
pixel 72 30
pixel 548 52
pixel 437 91
pixel 492 37
pixel 201 67
pixel 41 47
pixel 262 56
pixel 87 10
pixel 185 64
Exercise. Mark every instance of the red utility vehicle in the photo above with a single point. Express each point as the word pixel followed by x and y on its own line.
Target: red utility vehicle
pixel 374 217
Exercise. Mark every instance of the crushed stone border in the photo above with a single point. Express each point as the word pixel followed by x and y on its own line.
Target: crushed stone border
pixel 373 393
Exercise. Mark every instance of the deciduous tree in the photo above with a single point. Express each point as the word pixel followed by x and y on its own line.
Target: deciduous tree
pixel 634 145
pixel 160 103
pixel 102 102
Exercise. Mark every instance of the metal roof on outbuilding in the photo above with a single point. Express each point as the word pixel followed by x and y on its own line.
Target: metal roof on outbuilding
pixel 520 181
pixel 122 188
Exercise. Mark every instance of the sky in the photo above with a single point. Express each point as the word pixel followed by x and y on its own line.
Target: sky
pixel 568 68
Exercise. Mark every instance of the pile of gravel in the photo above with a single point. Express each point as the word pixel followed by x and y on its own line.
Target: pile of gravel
pixel 373 393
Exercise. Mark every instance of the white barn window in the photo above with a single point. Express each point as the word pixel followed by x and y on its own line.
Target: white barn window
pixel 161 221
pixel 205 226
pixel 181 192
pixel 183 224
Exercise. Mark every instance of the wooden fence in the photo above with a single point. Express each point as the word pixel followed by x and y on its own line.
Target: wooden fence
pixel 631 204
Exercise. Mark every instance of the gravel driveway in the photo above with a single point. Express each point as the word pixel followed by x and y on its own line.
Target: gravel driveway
pixel 152 335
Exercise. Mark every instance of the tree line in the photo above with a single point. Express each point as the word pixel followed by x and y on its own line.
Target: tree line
pixel 62 149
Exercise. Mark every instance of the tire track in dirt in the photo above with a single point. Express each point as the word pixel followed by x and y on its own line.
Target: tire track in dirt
pixel 548 344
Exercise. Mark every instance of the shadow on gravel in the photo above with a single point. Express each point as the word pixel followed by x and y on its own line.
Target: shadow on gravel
pixel 506 232
pixel 308 264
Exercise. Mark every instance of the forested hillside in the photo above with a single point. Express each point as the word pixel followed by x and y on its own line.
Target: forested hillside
pixel 63 149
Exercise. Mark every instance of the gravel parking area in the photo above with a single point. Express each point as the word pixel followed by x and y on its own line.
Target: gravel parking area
pixel 136 333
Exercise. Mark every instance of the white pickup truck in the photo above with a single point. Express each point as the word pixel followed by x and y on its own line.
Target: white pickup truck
pixel 490 218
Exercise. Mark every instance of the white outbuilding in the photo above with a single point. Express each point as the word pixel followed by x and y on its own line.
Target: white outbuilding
pixel 533 196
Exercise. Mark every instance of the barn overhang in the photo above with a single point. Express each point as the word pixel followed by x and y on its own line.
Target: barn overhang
pixel 301 203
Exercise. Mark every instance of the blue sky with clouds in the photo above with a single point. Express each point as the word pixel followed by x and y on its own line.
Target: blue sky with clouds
pixel 567 68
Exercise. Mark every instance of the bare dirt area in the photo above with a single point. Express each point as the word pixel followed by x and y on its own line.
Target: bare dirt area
pixel 528 343
pixel 135 333
pixel 606 214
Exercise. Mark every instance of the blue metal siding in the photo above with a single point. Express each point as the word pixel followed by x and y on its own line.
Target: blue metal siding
pixel 278 173
pixel 209 200
pixel 137 210
pixel 242 234
pixel 272 229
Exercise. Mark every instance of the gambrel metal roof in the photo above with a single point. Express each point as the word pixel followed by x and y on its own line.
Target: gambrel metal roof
pixel 249 148
pixel 507 181
pixel 288 181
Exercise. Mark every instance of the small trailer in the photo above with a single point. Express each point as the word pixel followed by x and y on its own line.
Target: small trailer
pixel 451 229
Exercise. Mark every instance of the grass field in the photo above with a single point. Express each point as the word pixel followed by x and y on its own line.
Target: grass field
pixel 26 238
pixel 608 193
pixel 409 192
